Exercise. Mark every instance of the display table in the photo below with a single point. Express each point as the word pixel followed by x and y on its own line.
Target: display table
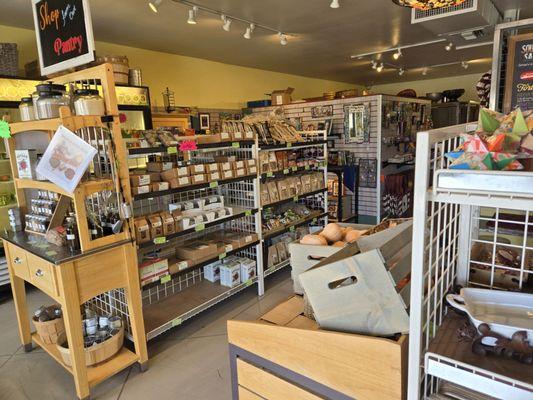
pixel 71 279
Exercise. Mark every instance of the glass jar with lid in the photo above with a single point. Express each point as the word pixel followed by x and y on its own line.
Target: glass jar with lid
pixel 51 98
pixel 26 109
pixel 88 102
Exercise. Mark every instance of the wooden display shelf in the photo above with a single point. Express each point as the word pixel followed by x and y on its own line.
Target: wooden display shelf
pixel 97 373
pixel 84 188
pixel 213 146
pixel 290 146
pixel 291 170
pixel 72 122
pixel 295 198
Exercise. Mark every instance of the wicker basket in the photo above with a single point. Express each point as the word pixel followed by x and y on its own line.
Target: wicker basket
pixel 9 59
pixel 94 354
pixel 50 331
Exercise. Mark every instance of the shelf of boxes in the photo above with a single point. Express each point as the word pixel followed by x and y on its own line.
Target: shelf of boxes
pixel 462 220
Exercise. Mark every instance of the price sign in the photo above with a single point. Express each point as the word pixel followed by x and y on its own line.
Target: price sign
pixel 295 198
pixel 172 150
pixel 285 171
pixel 64 34
pixel 176 322
pixel 165 279
pixel 236 145
pixel 248 282
pixel 270 174
pixel 289 145
pixel 199 227
pixel 294 169
pixel 248 213
pixel 213 185
pixel 307 167
pixel 160 240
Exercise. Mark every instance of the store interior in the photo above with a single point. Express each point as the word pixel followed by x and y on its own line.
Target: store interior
pixel 217 199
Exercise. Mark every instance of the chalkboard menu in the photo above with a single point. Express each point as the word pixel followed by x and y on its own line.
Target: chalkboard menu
pixel 64 34
pixel 519 73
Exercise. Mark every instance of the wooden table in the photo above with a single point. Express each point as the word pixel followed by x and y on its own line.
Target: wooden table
pixel 72 279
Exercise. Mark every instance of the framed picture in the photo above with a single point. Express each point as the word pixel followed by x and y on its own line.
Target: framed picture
pixel 325 125
pixel 322 111
pixel 519 75
pixel 368 168
pixel 204 121
pixel 357 123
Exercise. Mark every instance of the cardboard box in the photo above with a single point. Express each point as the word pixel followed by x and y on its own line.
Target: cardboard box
pixel 178 265
pixel 140 179
pixel 238 135
pixel 273 192
pixel 154 177
pixel 158 186
pixel 248 238
pixel 152 270
pixel 228 174
pixel 212 167
pixel 213 202
pixel 180 182
pixel 248 269
pixel 182 171
pixel 251 170
pixel 156 226
pixel 240 173
pixel 225 136
pixel 196 251
pixel 169 226
pixel 230 274
pixel 251 163
pixel 169 175
pixel 239 164
pixel 282 96
pixel 142 230
pixel 198 179
pixel 272 258
pixel 158 166
pixel 223 159
pixel 208 138
pixel 213 176
pixel 212 272
pixel 140 189
pixel 197 169
pixel 225 166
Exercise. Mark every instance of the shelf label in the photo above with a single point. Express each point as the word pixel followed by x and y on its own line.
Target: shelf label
pixel 176 322
pixel 229 248
pixel 286 171
pixel 236 145
pixel 165 279
pixel 247 213
pixel 270 174
pixel 295 198
pixel 221 256
pixel 199 227
pixel 294 169
pixel 307 167
pixel 291 229
pixel 213 185
pixel 172 150
pixel 248 282
pixel 160 240
pixel 289 145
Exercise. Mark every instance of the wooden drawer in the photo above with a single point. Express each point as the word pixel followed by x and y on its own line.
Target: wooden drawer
pixel 245 394
pixel 268 386
pixel 42 274
pixel 18 261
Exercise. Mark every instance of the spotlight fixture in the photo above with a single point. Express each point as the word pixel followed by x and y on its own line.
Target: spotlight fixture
pixel 154 4
pixel 398 54
pixel 379 68
pixel 464 64
pixel 282 38
pixel 226 23
pixel 401 71
pixel 192 16
pixel 374 64
pixel 449 46
pixel 249 30
pixel 334 4
pixel 424 71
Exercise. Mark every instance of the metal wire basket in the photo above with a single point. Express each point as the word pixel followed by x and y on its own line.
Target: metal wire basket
pixel 9 59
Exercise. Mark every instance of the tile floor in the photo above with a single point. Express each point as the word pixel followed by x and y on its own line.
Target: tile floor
pixel 190 362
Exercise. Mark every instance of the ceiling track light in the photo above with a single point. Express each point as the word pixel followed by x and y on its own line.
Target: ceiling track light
pixel 248 32
pixel 401 71
pixel 464 64
pixel 282 39
pixel 334 4
pixel 374 64
pixel 154 4
pixel 226 23
pixel 192 16
pixel 379 68
pixel 398 54
pixel 449 46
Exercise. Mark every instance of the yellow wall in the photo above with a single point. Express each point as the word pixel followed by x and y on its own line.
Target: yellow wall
pixel 195 81
pixel 467 82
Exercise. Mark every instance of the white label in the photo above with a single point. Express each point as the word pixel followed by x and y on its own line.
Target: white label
pixel 279 99
pixel 71 237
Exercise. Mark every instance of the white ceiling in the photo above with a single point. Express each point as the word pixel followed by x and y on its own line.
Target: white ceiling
pixel 323 40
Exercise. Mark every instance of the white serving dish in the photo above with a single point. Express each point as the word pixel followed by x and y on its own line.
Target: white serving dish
pixel 504 312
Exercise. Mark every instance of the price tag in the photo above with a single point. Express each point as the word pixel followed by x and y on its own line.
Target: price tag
pixel 248 282
pixel 176 322
pixel 172 150
pixel 295 198
pixel 199 227
pixel 165 279
pixel 236 145
pixel 291 229
pixel 294 169
pixel 183 265
pixel 285 171
pixel 289 145
pixel 248 213
pixel 160 240
pixel 229 247
pixel 307 167
pixel 213 184
pixel 270 174
pixel 5 130
pixel 221 256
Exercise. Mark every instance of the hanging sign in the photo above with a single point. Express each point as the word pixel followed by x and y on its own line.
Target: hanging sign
pixel 519 75
pixel 64 34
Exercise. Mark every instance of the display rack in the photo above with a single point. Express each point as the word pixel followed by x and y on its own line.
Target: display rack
pixel 103 267
pixel 454 211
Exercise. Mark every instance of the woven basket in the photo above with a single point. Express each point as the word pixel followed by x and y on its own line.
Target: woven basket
pixel 94 354
pixel 50 331
pixel 9 59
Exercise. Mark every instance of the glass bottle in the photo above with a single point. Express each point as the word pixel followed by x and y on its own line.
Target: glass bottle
pixel 71 230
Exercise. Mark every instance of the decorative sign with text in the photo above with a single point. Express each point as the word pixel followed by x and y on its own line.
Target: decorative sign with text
pixel 64 34
pixel 519 75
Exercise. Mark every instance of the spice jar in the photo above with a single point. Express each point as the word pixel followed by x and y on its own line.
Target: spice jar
pixel 51 98
pixel 88 102
pixel 26 109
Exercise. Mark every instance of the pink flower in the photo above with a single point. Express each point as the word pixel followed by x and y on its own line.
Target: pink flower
pixel 188 145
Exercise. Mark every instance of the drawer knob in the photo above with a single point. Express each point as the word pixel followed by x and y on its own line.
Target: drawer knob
pixel 39 272
pixel 17 260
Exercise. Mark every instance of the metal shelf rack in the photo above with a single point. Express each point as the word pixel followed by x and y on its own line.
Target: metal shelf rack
pixel 449 219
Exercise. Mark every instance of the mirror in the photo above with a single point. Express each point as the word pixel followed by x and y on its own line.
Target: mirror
pixel 357 123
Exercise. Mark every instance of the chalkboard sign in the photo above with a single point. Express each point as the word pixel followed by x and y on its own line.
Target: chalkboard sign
pixel 64 34
pixel 519 75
